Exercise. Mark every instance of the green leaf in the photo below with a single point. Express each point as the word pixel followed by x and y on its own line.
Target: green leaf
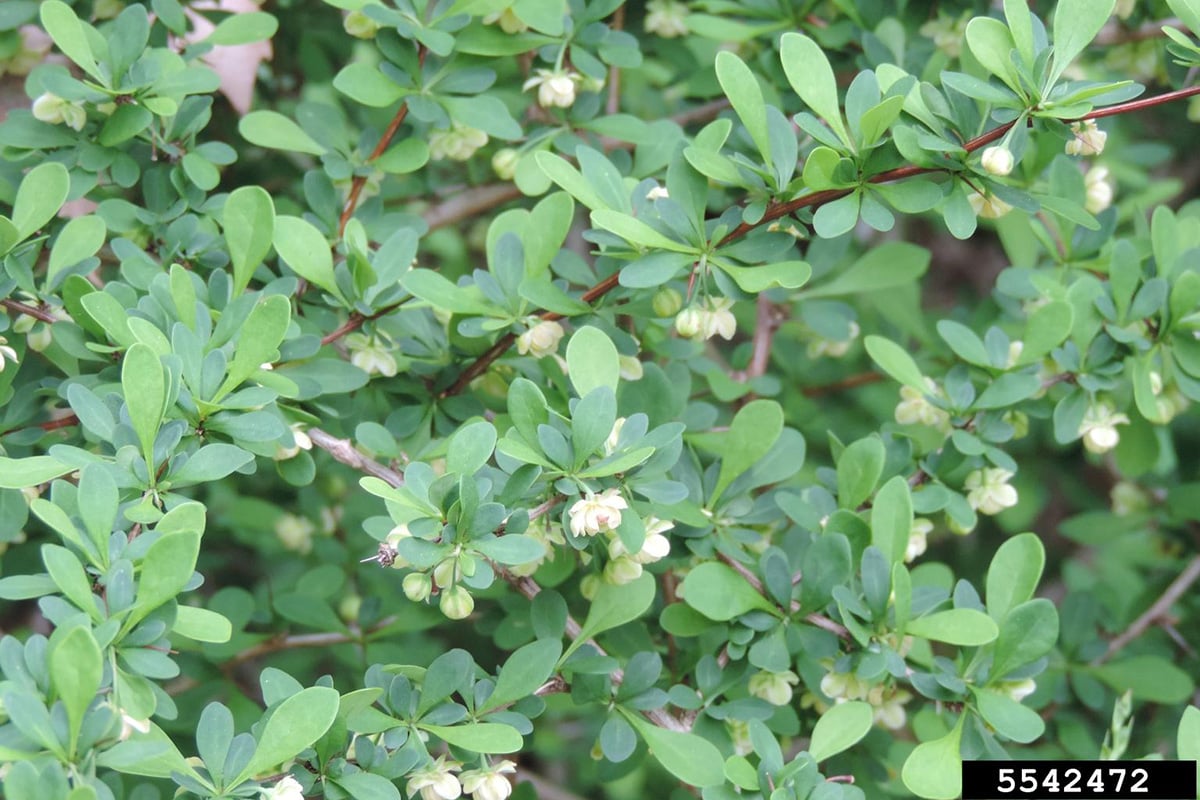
pixel 76 668
pixel 892 519
pixel 258 341
pixel 212 462
pixel 69 576
pixel 1047 328
pixel 964 342
pixel 691 759
pixel 752 434
pixel 1028 632
pixel 274 130
pixel 80 238
pixel 479 737
pixel 839 217
pixel 840 728
pixel 934 769
pixel 41 194
pixel 569 179
pixel 1014 574
pixel 614 606
pixel 592 422
pixel 885 267
pixel 1188 12
pixel 470 447
pixel 202 625
pixel 438 291
pixel 364 83
pixel 1009 389
pixel 786 274
pixel 1076 23
pixel 67 31
pixel 151 755
pixel 896 362
pixel 166 569
pixel 306 251
pixel 294 725
pixel 592 360
pixel 811 77
pixel 124 124
pixel 1010 719
pixel 524 671
pixel 243 28
pixel 1187 740
pixel 144 386
pixel 965 627
pixel 635 231
pixel 404 157
pixel 248 222
pixel 718 592
pixel 858 471
pixel 991 43
pixel 18 473
pixel 1151 678
pixel 742 89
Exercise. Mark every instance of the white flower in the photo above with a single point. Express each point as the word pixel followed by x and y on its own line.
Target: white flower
pixel 689 322
pixel 1099 427
pixel 300 441
pixel 556 88
pixel 774 687
pixel 843 686
pixel 490 783
pixel 666 18
pixel 55 110
pixel 988 206
pixel 1018 690
pixel 436 781
pixel 739 734
pixel 1099 190
pixel 508 20
pixel 288 788
pixel 541 339
pixel 833 348
pixel 417 586
pixel 988 490
pixel 711 317
pixel 7 353
pixel 457 144
pixel 917 538
pixel 621 571
pixel 295 532
pixel 889 708
pixel 359 25
pixel 1088 140
pixel 657 193
pixel 504 163
pixel 914 408
pixel 597 513
pixel 1015 348
pixel 130 725
pixel 630 368
pixel 614 436
pixel 371 354
pixel 997 160
pixel 548 534
pixel 456 603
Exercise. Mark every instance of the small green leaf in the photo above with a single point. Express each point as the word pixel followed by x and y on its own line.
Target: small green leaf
pixel 839 217
pixel 636 232
pixel 752 434
pixel 1010 719
pixel 742 89
pixel 1076 23
pixel 166 569
pixel 592 360
pixel 258 341
pixel 76 669
pixel 885 267
pixel 934 769
pixel 294 725
pixel 892 519
pixel 470 447
pixel 1014 574
pixel 840 728
pixel 1028 632
pixel 691 759
pixel 67 31
pixel 248 222
pixel 896 362
pixel 69 576
pixel 144 386
pixel 306 251
pixel 364 83
pixel 524 671
pixel 965 627
pixel 720 593
pixel 18 473
pixel 41 193
pixel 1150 678
pixel 614 606
pixel 858 471
pixel 991 43
pixel 811 77
pixel 479 737
pixel 786 274
pixel 202 625
pixel 80 238
pixel 274 130
pixel 569 179
pixel 243 28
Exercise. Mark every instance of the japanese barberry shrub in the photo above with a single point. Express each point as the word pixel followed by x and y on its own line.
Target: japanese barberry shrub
pixel 566 397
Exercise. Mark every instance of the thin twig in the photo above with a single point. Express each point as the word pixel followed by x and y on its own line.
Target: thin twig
pixel 775 211
pixel 303 640
pixel 848 382
pixel 28 310
pixel 613 104
pixel 343 450
pixel 469 203
pixel 1155 613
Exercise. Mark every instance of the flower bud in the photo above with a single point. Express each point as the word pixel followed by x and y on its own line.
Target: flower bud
pixel 1088 139
pixel 667 302
pixel 541 339
pixel 504 163
pixel 1099 191
pixel 457 603
pixel 417 586
pixel 997 160
pixel 621 571
pixel 774 687
pixel 445 572
pixel 359 25
pixel 349 607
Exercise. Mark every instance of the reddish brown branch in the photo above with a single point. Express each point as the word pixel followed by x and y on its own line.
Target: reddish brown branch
pixel 28 310
pixel 849 382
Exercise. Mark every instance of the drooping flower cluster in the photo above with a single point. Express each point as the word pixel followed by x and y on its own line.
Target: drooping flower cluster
pixel 372 354
pixel 436 781
pixel 918 536
pixel 288 788
pixel 666 18
pixel 774 687
pixel 988 490
pixel 623 566
pixel 1099 192
pixel 1099 427
pixel 706 319
pixel 540 339
pixel 914 408
pixel 597 513
pixel 458 143
pixel 988 205
pixel 56 110
pixel 1088 140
